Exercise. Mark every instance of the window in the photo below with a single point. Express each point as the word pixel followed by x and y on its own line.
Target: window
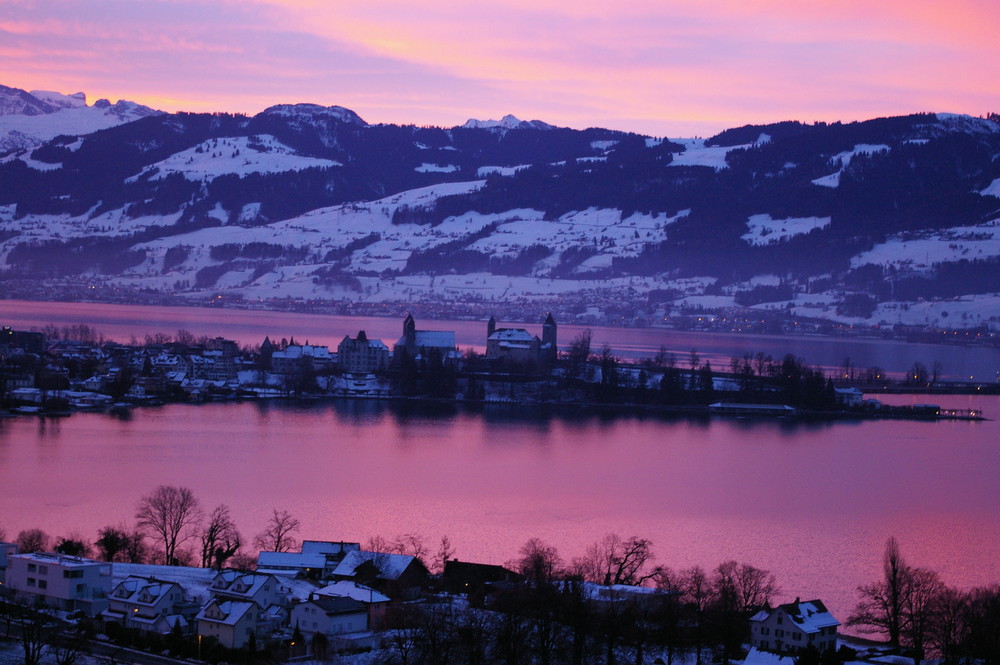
pixel 32 568
pixel 31 581
pixel 43 570
pixel 43 584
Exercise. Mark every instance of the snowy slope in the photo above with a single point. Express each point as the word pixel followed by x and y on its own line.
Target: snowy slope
pixel 239 155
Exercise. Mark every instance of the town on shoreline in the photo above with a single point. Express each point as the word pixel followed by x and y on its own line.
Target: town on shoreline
pixel 57 371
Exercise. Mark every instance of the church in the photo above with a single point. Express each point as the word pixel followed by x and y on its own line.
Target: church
pixel 517 346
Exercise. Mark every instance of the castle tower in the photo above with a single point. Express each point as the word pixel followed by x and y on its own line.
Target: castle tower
pixel 549 330
pixel 491 327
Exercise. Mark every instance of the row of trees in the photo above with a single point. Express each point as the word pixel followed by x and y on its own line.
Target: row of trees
pixel 914 609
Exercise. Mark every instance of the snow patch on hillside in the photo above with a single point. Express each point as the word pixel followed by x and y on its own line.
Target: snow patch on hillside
pixel 696 153
pixel 436 168
pixel 484 171
pixel 240 155
pixel 844 159
pixel 993 189
pixel 920 251
pixel 767 231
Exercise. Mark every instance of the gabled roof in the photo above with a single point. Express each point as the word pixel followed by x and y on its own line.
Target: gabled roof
pixel 809 615
pixel 390 566
pixel 511 335
pixel 331 605
pixel 353 590
pixel 227 612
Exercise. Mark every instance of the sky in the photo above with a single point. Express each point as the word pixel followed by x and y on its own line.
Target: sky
pixel 659 67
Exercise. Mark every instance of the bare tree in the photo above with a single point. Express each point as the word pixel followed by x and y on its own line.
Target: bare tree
pixel 220 539
pixel 444 554
pixel 32 540
pixel 921 608
pixel 614 560
pixel 697 593
pixel 171 515
pixel 3 534
pixel 277 537
pixel 538 562
pixel 881 606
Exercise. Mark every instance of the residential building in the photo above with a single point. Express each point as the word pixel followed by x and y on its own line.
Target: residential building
pixel 64 582
pixel 146 603
pixel 362 355
pixel 374 601
pixel 231 622
pixel 260 588
pixel 317 559
pixel 296 358
pixel 330 615
pixel 399 576
pixel 794 626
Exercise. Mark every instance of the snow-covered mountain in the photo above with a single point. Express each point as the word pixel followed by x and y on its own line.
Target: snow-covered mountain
pixel 29 119
pixel 893 220
pixel 507 122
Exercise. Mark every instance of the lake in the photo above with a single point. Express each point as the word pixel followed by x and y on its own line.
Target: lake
pixel 812 502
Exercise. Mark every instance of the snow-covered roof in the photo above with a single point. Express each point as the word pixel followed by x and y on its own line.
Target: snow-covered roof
pixel 390 566
pixel 349 589
pixel 757 657
pixel 810 615
pixel 435 339
pixel 511 335
pixel 227 612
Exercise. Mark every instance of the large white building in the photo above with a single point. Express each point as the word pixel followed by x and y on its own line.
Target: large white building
pixel 362 355
pixel 64 582
pixel 794 626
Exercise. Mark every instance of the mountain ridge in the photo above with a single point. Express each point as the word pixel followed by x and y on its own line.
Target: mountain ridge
pixel 878 222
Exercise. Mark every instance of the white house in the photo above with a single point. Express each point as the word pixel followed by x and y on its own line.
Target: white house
pixel 317 559
pixel 330 616
pixel 65 582
pixel 362 355
pixel 232 622
pixel 375 602
pixel 262 589
pixel 147 603
pixel 794 626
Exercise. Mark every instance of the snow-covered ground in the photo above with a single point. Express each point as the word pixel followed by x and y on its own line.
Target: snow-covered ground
pixel 920 251
pixel 843 159
pixel 238 155
pixel 696 153
pixel 767 231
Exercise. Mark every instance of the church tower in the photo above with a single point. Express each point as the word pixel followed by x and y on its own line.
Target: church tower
pixel 549 336
pixel 491 327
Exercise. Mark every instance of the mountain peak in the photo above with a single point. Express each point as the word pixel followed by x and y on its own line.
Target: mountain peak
pixel 315 112
pixel 509 121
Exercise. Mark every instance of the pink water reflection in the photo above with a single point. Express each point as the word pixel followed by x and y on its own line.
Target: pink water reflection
pixel 813 503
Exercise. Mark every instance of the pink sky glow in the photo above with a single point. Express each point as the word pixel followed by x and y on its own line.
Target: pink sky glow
pixel 659 67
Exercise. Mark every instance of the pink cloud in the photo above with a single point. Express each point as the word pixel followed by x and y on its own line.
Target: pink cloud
pixel 655 66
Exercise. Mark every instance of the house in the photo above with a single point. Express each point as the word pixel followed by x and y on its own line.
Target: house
pixel 849 398
pixel 399 576
pixel 794 626
pixel 64 582
pixel 146 603
pixel 519 347
pixel 231 622
pixel 476 579
pixel 374 601
pixel 317 559
pixel 296 358
pixel 260 588
pixel 330 615
pixel 417 344
pixel 362 355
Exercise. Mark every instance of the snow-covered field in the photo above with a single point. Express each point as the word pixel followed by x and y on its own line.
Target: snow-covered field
pixel 920 251
pixel 238 155
pixel 767 231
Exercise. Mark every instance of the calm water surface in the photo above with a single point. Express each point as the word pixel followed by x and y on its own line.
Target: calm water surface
pixel 814 503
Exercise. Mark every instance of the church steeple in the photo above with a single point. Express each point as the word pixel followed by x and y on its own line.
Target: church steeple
pixel 491 327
